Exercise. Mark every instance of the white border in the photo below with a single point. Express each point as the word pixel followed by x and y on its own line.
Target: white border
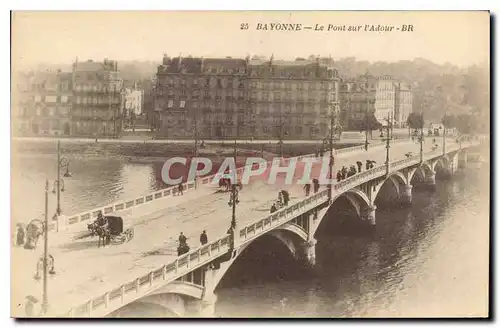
pixel 180 5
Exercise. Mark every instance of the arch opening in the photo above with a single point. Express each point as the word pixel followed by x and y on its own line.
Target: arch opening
pixel 270 258
pixel 387 196
pixel 343 217
pixel 140 309
pixel 441 169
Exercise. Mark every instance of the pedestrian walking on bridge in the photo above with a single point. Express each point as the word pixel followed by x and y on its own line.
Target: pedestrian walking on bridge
pixel 204 237
pixel 286 197
pixel 359 164
pixel 180 189
pixel 307 188
pixel 315 185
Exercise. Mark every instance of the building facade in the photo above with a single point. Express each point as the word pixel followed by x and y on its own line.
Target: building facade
pixel 244 98
pixel 404 103
pixel 132 101
pixel 97 109
pixel 381 97
pixel 43 104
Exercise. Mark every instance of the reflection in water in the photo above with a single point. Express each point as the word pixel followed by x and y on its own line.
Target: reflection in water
pixel 426 260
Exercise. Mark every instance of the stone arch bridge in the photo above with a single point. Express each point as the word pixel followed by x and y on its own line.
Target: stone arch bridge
pixel 187 285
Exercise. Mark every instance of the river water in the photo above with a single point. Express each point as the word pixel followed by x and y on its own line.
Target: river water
pixel 427 260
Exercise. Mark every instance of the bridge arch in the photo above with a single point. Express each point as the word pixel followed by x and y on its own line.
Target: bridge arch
pixel 421 172
pixel 156 305
pixel 388 191
pixel 356 197
pixel 441 164
pixel 290 235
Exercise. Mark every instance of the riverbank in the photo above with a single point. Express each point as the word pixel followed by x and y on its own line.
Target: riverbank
pixel 167 149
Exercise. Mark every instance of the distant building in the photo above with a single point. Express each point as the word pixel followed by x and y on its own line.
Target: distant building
pixel 43 104
pixel 133 99
pixel 404 103
pixel 243 98
pixel 96 98
pixel 381 97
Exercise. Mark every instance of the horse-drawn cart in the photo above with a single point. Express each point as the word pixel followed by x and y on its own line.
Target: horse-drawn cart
pixel 110 229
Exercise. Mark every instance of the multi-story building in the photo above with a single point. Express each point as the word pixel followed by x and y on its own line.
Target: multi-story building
pixel 243 98
pixel 132 101
pixel 292 99
pixel 404 103
pixel 197 96
pixel 43 104
pixel 96 98
pixel 381 97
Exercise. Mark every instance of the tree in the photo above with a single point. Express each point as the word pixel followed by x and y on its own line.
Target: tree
pixel 466 124
pixel 415 121
pixel 449 121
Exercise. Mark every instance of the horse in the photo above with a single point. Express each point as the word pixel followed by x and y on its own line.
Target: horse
pixel 225 182
pixel 104 236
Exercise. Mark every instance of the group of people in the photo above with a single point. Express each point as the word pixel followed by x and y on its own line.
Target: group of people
pixel 345 173
pixel 314 183
pixel 283 199
pixel 183 245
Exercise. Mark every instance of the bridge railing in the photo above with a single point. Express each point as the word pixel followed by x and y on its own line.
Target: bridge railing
pixel 202 255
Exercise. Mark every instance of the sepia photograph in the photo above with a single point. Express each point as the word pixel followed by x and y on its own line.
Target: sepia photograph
pixel 250 164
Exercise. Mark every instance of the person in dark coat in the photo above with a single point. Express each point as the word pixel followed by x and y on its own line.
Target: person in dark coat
pixel 273 208
pixel 368 164
pixel 359 164
pixel 315 185
pixel 181 189
pixel 339 176
pixel 182 239
pixel 204 237
pixel 286 197
pixel 307 188
pixel 344 172
pixel 20 236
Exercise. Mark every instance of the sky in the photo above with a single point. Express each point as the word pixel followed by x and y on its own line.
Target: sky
pixel 460 38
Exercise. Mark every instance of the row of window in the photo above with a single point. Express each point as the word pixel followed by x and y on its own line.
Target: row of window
pixel 48 111
pixel 178 81
pixel 99 87
pixel 51 99
pixel 311 96
pixel 205 94
pixel 292 85
pixel 96 100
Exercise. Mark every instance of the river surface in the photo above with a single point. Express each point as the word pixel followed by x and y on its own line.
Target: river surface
pixel 427 260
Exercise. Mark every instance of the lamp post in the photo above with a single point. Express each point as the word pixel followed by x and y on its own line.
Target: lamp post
pixel 366 120
pixel 332 124
pixel 422 138
pixel 195 150
pixel 387 139
pixel 445 119
pixel 233 200
pixel 281 135
pixel 62 163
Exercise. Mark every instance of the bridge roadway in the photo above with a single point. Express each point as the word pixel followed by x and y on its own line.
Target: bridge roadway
pixel 83 270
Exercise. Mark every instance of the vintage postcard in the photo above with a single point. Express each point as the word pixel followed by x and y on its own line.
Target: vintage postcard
pixel 267 164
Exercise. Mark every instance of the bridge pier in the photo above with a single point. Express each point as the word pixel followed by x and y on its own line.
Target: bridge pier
pixel 309 253
pixel 406 196
pixel 430 181
pixel 207 305
pixel 369 217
